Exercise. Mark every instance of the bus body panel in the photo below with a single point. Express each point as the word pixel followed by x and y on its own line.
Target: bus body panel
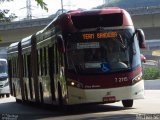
pixel 13 69
pixel 27 77
pixel 80 96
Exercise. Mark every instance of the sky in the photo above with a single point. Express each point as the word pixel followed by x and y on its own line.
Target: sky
pixel 19 6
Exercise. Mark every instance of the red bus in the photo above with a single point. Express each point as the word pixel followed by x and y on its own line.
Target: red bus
pixel 81 57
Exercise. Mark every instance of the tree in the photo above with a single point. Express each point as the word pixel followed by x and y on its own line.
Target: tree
pixel 42 4
pixel 6 17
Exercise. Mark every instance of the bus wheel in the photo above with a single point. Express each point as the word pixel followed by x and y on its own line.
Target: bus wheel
pixel 7 95
pixel 2 95
pixel 127 103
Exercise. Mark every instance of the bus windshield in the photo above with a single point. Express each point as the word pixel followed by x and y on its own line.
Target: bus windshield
pixel 100 55
pixel 3 67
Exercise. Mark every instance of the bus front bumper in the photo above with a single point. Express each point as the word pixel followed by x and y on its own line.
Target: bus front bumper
pixel 108 95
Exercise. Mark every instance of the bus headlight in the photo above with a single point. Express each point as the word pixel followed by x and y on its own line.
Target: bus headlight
pixel 75 83
pixel 72 83
pixel 137 79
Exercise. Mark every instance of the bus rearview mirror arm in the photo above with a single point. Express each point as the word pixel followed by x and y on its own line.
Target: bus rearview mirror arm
pixel 141 38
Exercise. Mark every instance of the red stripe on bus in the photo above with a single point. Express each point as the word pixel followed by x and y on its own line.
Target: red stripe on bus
pixel 106 81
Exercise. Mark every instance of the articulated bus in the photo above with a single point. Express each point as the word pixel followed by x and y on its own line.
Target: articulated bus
pixel 89 56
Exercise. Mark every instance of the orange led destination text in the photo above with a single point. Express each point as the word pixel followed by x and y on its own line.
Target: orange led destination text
pixel 89 36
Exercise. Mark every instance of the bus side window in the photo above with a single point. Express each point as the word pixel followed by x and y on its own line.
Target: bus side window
pixel 51 67
pixel 41 62
pixel 23 66
pixel 61 59
pixel 28 65
pixel 45 60
pixel 24 62
pixel 16 66
pixel 10 68
pixel 13 67
pixel 57 60
pixel 51 58
pixel 37 62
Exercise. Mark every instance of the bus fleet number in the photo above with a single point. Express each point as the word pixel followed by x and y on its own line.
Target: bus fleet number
pixel 121 79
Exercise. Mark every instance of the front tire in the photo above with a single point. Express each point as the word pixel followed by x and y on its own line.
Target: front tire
pixel 127 103
pixel 2 96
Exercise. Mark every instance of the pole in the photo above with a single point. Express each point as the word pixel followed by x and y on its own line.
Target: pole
pixel 62 5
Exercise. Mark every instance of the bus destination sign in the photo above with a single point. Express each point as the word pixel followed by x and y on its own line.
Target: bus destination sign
pixel 99 35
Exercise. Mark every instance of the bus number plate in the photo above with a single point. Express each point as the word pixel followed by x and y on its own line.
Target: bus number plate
pixel 109 99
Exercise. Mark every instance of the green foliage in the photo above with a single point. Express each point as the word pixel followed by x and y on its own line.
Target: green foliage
pixel 5 17
pixel 42 4
pixel 151 73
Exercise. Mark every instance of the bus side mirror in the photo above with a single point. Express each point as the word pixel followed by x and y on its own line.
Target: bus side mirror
pixel 60 44
pixel 141 38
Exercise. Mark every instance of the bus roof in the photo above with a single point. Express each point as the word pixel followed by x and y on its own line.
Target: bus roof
pixel 84 19
pixel 13 47
pixel 2 59
pixel 109 10
pixel 26 41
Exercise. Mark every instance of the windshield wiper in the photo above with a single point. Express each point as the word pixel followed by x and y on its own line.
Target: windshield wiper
pixel 121 41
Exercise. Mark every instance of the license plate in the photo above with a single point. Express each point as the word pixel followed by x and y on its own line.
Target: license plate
pixel 109 99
